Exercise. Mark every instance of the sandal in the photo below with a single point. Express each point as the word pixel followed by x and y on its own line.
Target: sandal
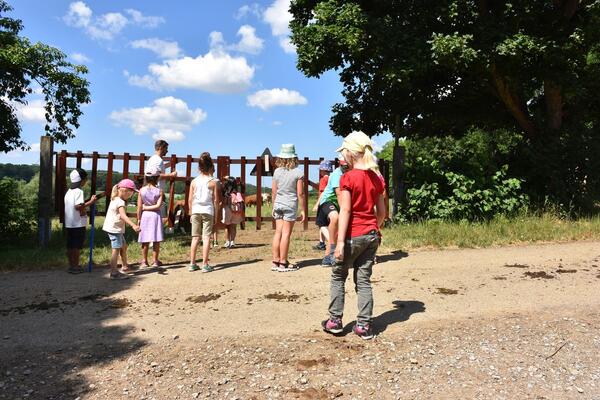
pixel 156 264
pixel 287 267
pixel 143 265
pixel 128 270
pixel 274 265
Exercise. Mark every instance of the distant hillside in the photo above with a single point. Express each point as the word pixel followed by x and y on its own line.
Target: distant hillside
pixel 19 171
pixel 26 172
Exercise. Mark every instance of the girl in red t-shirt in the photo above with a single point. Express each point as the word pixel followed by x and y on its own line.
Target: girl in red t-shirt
pixel 362 210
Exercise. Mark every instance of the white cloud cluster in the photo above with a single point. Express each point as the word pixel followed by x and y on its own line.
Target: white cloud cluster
pixel 162 48
pixel 167 118
pixel 278 16
pixel 33 111
pixel 109 25
pixel 249 42
pixel 215 72
pixel 253 9
pixel 80 58
pixel 265 99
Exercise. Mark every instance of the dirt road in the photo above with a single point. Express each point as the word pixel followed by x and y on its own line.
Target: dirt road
pixel 517 322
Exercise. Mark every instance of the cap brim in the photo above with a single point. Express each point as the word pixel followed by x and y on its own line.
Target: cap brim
pixel 339 150
pixel 287 156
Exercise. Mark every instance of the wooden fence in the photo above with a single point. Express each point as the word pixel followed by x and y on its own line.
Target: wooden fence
pixel 222 163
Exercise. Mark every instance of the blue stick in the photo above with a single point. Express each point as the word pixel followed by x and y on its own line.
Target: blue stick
pixel 93 229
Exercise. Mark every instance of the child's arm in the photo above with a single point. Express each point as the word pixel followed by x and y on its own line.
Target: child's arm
pixel 345 204
pixel 300 191
pixel 380 209
pixel 216 188
pixel 190 198
pixel 140 206
pixel 155 206
pixel 316 206
pixel 125 218
pixel 81 207
pixel 273 191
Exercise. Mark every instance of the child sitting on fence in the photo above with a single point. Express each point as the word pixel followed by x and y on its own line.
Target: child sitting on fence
pixel 149 204
pixel 203 201
pixel 76 218
pixel 233 209
pixel 287 191
pixel 114 226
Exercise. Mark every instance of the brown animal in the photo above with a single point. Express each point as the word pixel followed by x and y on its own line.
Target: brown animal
pixel 250 200
pixel 266 198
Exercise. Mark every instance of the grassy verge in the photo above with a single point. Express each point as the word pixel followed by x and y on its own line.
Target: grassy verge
pixel 432 234
pixel 498 232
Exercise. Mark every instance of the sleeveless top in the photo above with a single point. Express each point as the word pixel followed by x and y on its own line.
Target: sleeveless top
pixel 202 202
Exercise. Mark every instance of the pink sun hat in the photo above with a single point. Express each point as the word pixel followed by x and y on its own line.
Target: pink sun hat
pixel 127 184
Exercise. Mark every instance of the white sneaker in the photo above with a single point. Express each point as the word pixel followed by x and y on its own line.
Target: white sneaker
pixel 231 244
pixel 226 244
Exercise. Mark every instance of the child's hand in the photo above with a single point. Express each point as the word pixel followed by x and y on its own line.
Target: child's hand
pixel 93 199
pixel 173 174
pixel 302 216
pixel 315 206
pixel 339 251
pixel 136 228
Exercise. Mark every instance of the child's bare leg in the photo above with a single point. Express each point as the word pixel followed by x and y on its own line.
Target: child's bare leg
pixel 286 233
pixel 332 228
pixel 193 249
pixel 145 252
pixel 205 248
pixel 114 258
pixel 155 252
pixel 277 240
pixel 123 252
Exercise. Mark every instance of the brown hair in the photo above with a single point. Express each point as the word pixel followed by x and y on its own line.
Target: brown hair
pixel 287 163
pixel 205 163
pixel 159 144
pixel 152 179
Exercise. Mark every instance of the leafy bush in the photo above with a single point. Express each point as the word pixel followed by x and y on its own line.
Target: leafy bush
pixel 18 208
pixel 456 197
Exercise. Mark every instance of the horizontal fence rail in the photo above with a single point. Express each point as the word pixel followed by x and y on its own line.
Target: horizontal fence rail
pixel 223 166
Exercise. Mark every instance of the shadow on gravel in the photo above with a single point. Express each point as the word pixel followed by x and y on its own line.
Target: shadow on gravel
pixel 54 325
pixel 219 267
pixel 393 256
pixel 401 312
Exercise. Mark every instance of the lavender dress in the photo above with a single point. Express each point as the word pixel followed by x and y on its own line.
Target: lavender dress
pixel 151 224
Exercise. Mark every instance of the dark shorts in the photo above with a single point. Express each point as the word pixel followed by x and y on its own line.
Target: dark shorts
pixel 75 237
pixel 323 213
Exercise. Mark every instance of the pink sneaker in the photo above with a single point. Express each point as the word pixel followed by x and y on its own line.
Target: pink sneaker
pixel 333 325
pixel 363 331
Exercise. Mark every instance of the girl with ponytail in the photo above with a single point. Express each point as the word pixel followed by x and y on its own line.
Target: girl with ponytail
pixel 362 210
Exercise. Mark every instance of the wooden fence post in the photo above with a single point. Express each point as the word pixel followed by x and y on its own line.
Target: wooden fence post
pixel 243 187
pixel 45 191
pixel 305 189
pixel 109 174
pixel 259 168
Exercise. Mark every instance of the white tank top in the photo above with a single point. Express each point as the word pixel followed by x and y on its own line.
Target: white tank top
pixel 202 202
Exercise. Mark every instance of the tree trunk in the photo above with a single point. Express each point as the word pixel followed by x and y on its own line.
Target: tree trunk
pixel 554 105
pixel 512 102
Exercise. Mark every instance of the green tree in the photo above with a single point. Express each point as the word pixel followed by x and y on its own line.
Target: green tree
pixel 24 65
pixel 427 68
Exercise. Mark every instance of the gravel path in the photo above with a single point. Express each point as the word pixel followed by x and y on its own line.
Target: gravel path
pixel 503 323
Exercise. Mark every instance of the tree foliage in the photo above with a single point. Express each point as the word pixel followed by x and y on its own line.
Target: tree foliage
pixel 23 66
pixel 445 65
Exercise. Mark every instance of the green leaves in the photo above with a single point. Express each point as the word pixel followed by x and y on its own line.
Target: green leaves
pixel 26 65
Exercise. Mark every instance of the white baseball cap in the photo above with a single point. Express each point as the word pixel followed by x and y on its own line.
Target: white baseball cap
pixel 74 176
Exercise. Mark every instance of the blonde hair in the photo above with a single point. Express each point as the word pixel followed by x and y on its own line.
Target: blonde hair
pixel 114 192
pixel 287 163
pixel 366 157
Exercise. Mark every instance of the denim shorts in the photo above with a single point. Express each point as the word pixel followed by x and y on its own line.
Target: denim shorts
pixel 284 212
pixel 117 240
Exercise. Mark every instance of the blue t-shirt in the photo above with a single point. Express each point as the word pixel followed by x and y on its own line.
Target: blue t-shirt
pixel 332 184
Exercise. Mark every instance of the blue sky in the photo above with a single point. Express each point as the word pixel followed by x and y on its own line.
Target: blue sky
pixel 215 76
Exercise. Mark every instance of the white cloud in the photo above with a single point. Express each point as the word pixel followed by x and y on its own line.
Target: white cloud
pixel 145 21
pixel 214 72
pixel 166 118
pixel 278 16
pixel 276 123
pixel 80 58
pixel 266 99
pixel 249 43
pixel 248 9
pixel 33 148
pixel 33 111
pixel 106 26
pixel 162 48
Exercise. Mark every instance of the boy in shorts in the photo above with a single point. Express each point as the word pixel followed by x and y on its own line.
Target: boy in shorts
pixel 76 218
